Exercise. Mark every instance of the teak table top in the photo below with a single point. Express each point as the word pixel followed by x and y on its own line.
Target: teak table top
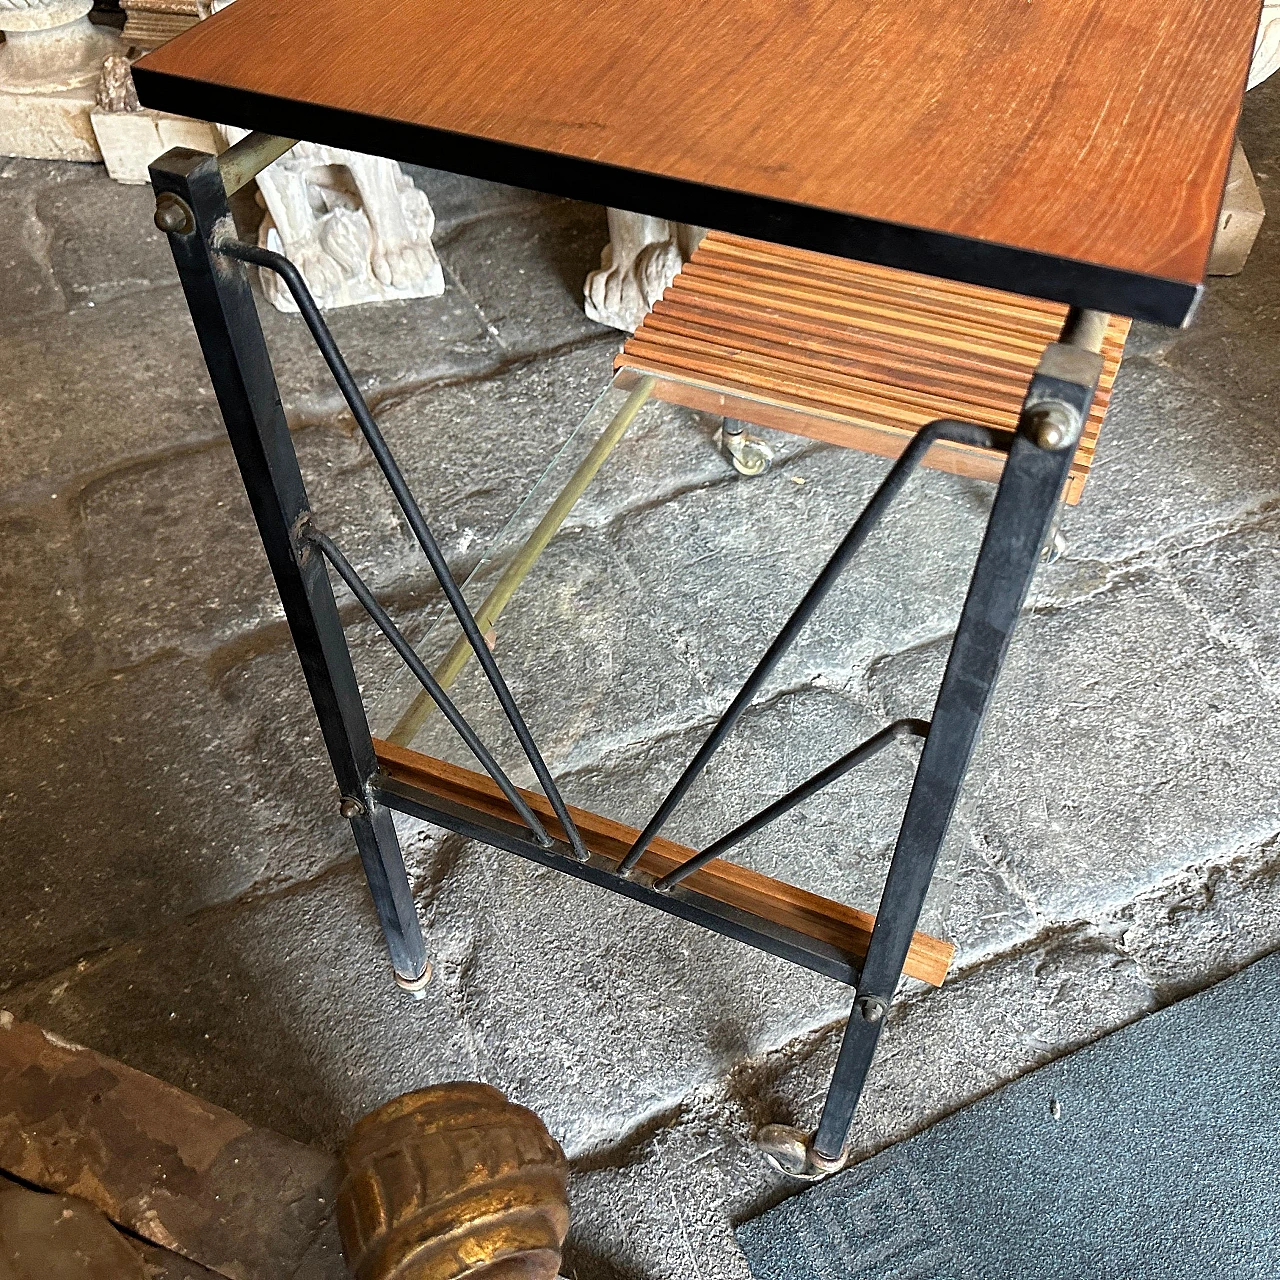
pixel 1074 150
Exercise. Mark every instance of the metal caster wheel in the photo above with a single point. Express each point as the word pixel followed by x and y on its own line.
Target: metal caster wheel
pixel 788 1149
pixel 749 454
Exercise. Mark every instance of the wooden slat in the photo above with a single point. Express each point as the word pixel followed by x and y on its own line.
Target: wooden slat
pixel 1092 139
pixel 857 355
pixel 820 918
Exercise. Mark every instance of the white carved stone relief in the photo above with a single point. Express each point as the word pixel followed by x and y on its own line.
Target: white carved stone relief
pixel 640 260
pixel 1266 51
pixel 354 225
pixel 50 62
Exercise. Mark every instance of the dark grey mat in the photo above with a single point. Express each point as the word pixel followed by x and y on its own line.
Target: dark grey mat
pixel 1163 1164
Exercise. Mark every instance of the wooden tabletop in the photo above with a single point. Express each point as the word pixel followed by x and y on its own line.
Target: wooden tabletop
pixel 1074 150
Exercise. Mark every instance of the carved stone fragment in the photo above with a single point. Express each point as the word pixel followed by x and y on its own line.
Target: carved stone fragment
pixel 640 260
pixel 50 62
pixel 354 225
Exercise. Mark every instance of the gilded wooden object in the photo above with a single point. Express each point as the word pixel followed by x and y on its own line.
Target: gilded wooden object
pixel 453 1181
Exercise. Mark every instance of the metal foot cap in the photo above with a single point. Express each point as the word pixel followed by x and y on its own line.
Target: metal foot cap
pixel 416 987
pixel 790 1151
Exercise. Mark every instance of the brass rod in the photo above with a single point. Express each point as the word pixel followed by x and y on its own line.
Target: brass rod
pixel 240 163
pixel 1085 329
pixel 410 724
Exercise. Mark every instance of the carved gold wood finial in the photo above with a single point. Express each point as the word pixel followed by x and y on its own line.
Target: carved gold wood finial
pixel 453 1181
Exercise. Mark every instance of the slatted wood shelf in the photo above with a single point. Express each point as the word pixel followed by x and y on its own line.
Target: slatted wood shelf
pixel 851 353
pixel 833 923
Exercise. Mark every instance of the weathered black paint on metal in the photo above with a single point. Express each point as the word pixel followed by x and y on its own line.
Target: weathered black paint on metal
pixel 756 931
pixel 1021 516
pixel 235 350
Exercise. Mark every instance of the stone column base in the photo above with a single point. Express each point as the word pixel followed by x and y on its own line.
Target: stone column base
pixel 131 140
pixel 49 126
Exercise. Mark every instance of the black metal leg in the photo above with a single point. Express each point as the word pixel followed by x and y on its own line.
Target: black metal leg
pixel 222 308
pixel 1034 475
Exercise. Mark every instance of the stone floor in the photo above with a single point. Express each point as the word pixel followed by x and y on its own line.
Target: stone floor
pixel 181 893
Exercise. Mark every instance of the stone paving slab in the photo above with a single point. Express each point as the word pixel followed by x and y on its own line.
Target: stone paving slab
pixel 1132 760
pixel 653 622
pixel 139 379
pixel 1233 583
pixel 837 844
pixel 471 450
pixel 31 288
pixel 265 1009
pixel 667 451
pixel 588 663
pixel 163 555
pixel 135 387
pixel 594 1011
pixel 45 643
pixel 136 798
pixel 720 565
pixel 102 242
pixel 388 346
pixel 1157 480
pixel 524 271
pixel 660 1210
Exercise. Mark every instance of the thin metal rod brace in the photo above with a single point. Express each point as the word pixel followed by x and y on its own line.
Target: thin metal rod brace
pixel 360 590
pixel 890 487
pixel 824 777
pixel 409 724
pixel 292 277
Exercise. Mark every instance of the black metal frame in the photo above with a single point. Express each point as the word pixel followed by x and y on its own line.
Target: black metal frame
pixel 209 260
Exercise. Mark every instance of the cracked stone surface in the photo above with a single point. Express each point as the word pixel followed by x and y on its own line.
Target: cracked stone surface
pixel 181 893
pixel 524 271
pixel 1104 798
pixel 198 584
